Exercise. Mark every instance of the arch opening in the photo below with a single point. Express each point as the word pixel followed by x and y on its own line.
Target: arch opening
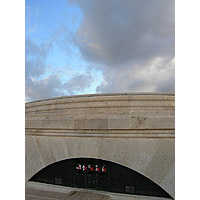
pixel 97 174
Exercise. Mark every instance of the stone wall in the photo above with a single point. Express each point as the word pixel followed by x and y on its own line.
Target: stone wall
pixel 132 129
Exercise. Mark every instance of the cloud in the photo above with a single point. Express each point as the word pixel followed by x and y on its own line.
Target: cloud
pixel 43 81
pixel 132 40
pixel 155 76
pixel 78 83
pixel 50 86
pixel 35 57
pixel 39 83
pixel 31 14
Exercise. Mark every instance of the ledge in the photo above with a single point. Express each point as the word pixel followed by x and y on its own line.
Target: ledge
pixel 106 94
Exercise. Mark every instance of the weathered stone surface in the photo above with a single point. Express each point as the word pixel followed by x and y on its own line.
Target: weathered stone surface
pixel 106 148
pixel 34 161
pixel 164 158
pixel 135 130
pixel 91 123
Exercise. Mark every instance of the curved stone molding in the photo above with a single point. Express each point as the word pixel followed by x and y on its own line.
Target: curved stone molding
pixel 132 129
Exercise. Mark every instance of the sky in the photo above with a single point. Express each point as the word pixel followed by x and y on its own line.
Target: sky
pixel 98 46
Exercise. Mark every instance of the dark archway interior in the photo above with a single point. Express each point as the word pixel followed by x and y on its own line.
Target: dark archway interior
pixel 98 174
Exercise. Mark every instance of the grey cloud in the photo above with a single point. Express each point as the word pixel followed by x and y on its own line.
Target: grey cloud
pixel 52 86
pixel 126 37
pixel 44 88
pixel 156 76
pixel 166 85
pixel 114 32
pixel 78 83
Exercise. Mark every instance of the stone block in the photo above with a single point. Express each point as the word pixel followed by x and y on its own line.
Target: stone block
pixel 123 123
pixel 50 124
pixel 90 123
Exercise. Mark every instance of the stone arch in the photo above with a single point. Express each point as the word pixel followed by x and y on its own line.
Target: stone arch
pixel 98 174
pixel 134 130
